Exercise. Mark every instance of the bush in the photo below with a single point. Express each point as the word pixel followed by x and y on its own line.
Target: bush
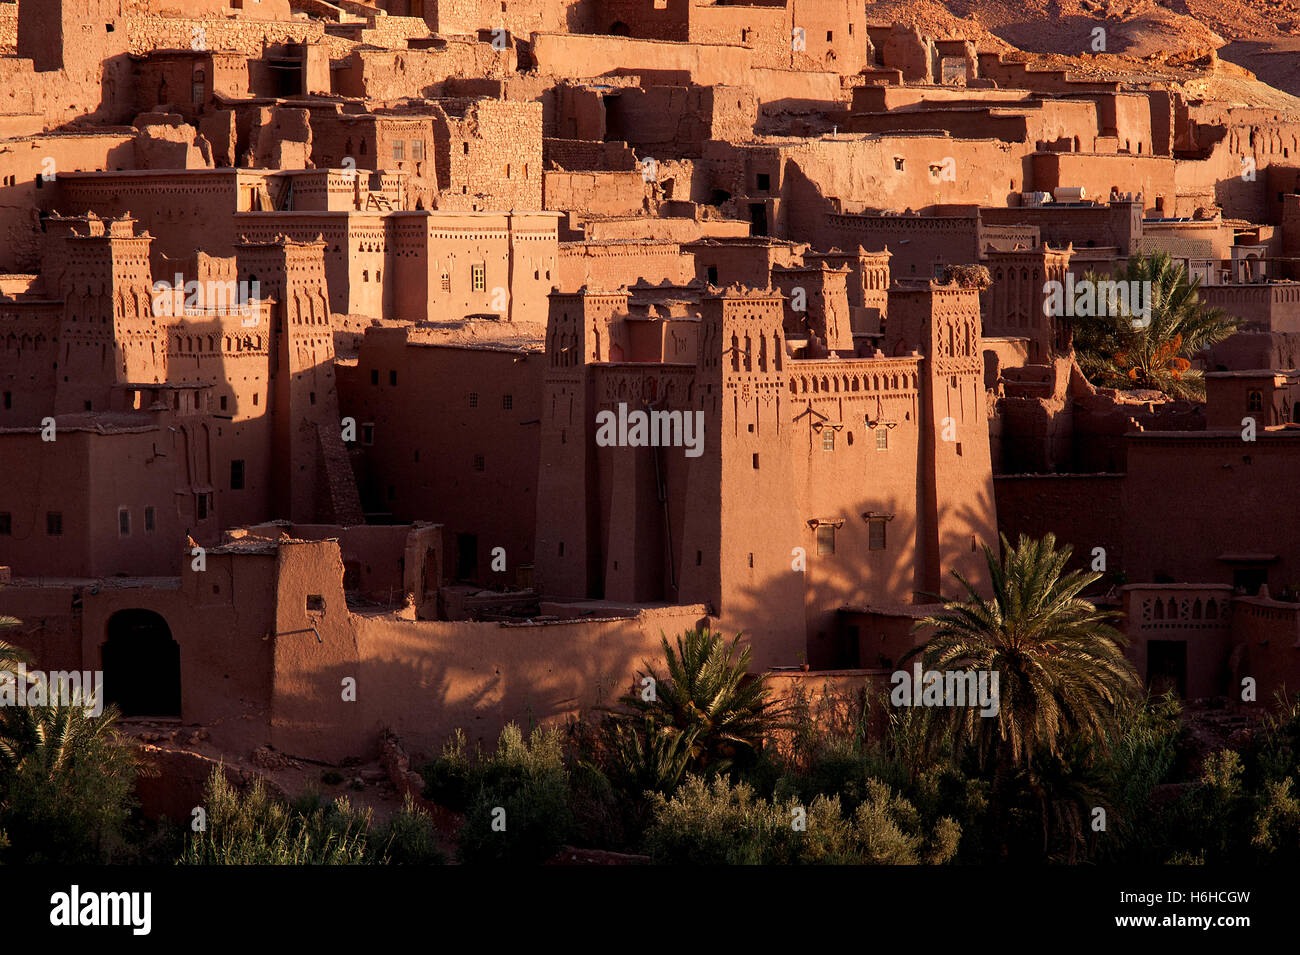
pixel 523 787
pixel 447 780
pixel 256 828
pixel 716 822
pixel 409 838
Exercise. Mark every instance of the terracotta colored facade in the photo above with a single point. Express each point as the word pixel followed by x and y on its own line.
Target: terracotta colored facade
pixel 325 332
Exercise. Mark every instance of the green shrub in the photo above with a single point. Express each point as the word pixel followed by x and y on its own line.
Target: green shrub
pixel 448 779
pixel 256 828
pixel 518 808
pixel 717 822
pixel 409 838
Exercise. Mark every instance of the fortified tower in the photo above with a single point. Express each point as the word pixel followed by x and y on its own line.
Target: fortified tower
pixel 311 475
pixel 101 268
pixel 957 511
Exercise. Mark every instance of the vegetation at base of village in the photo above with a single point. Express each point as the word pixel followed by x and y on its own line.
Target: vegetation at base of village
pixel 703 765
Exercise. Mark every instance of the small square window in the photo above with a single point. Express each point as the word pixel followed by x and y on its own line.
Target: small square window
pixel 124 521
pixel 473 399
pixel 507 402
pixel 876 533
pixel 54 523
pixel 223 402
pixel 828 439
pixel 392 378
pixel 399 150
pixel 825 539
pixel 898 163
pixel 478 277
pixel 764 182
pixel 446 281
pixel 479 463
pixel 417 149
pixel 755 460
pixel 882 439
pixel 315 603
pixel 150 520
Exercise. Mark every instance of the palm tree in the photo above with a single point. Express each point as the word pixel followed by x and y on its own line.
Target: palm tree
pixel 1061 670
pixel 10 655
pixel 707 713
pixel 1122 350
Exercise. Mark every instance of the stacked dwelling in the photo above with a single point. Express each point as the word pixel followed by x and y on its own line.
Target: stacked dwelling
pixel 466 351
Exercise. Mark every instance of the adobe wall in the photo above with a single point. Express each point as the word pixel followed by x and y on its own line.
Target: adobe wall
pixel 26 160
pixel 1268 633
pixel 49 628
pixel 1210 466
pixel 784 89
pixel 221 619
pixel 451 443
pixel 87 478
pixel 260 10
pixel 493 153
pixel 917 243
pixel 384 75
pixel 1205 618
pixel 864 172
pixel 1082 510
pixel 480 676
pixel 676 121
pixel 1152 176
pixel 597 193
pixel 9 29
pixel 585 56
pixel 619 263
pixel 147 32
pixel 469 16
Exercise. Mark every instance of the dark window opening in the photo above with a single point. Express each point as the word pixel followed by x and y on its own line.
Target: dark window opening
pixel 467 556
pixel 237 475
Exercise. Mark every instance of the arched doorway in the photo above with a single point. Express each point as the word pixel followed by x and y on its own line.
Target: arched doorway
pixel 142 665
pixel 619 28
